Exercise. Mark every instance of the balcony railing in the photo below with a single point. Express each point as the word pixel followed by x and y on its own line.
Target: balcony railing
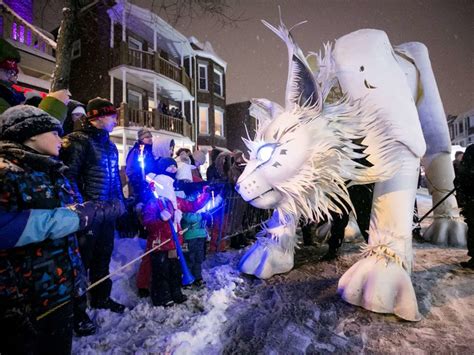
pixel 151 61
pixel 129 117
pixel 24 33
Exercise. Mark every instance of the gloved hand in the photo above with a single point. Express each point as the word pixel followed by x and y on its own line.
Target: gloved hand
pixel 89 213
pixel 165 215
pixel 178 216
pixel 128 224
pixel 112 209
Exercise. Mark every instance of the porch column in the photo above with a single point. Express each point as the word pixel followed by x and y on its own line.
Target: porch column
pixel 111 89
pixel 182 104
pixel 124 26
pixel 191 111
pixel 191 72
pixel 182 57
pixel 124 86
pixel 112 23
pixel 124 145
pixel 155 96
pixel 154 40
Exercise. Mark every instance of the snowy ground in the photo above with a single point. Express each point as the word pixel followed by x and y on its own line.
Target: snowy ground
pixel 295 313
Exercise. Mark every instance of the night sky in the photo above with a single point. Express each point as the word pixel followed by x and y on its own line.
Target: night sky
pixel 257 59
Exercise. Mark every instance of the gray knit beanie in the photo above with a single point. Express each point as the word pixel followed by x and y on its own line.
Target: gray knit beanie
pixel 142 133
pixel 21 122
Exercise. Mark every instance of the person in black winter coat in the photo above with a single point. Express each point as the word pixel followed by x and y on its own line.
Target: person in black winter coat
pixel 94 173
pixel 76 112
pixel 40 266
pixel 465 197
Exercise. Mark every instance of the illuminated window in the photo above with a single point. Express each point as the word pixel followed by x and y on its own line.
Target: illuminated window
pixel 219 122
pixel 203 119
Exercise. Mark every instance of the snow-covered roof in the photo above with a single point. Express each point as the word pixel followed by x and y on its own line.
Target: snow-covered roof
pixel 206 50
pixel 169 39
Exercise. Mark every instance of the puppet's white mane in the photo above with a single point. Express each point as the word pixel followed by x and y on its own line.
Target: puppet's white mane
pixel 319 186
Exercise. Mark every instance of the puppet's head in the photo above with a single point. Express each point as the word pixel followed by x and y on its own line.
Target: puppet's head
pixel 303 154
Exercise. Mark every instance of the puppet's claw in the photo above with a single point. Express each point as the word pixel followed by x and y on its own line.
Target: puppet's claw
pixel 447 231
pixel 266 258
pixel 380 286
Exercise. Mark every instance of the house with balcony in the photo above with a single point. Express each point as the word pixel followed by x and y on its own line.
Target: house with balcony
pixel 36 46
pixel 211 131
pixel 461 128
pixel 131 56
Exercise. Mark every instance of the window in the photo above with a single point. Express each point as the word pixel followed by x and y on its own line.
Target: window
pixel 134 100
pixel 219 122
pixel 203 119
pixel 461 127
pixel 134 43
pixel 76 49
pixel 202 77
pixel 218 83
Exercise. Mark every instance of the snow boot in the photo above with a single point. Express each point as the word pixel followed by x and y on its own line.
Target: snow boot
pixel 468 264
pixel 180 298
pixel 168 303
pixel 330 255
pixel 84 326
pixel 143 292
pixel 109 304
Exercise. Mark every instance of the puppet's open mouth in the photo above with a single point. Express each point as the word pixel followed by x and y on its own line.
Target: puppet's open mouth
pixel 261 195
pixel 368 86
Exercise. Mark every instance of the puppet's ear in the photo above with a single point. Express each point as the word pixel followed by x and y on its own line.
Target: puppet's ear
pixel 301 87
pixel 263 109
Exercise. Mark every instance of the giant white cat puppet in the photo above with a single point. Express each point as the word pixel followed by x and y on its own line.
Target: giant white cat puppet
pixel 304 154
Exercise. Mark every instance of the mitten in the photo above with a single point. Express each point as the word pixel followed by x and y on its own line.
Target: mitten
pixel 165 215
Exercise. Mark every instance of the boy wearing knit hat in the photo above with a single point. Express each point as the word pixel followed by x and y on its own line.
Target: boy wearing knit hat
pixel 54 103
pixel 40 268
pixel 9 59
pixel 94 173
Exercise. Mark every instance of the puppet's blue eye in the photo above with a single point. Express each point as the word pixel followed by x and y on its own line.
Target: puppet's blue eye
pixel 265 152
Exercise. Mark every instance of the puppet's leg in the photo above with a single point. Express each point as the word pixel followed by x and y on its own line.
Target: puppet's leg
pixel 273 253
pixel 447 228
pixel 380 282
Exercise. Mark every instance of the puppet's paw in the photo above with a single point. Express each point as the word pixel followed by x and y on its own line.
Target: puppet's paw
pixel 380 286
pixel 447 231
pixel 266 258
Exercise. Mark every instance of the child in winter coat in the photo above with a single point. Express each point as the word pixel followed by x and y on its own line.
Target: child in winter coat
pixel 195 236
pixel 40 265
pixel 166 270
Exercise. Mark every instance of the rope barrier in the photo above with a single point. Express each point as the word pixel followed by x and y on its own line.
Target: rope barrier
pixel 41 316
